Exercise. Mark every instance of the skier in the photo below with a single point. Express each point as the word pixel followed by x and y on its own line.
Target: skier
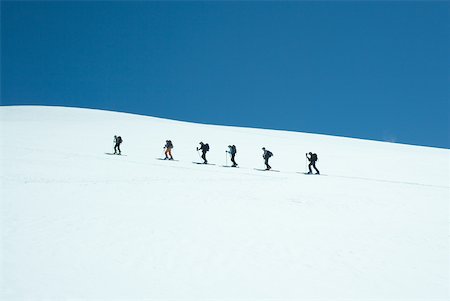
pixel 232 151
pixel 117 141
pixel 267 154
pixel 204 147
pixel 312 162
pixel 168 150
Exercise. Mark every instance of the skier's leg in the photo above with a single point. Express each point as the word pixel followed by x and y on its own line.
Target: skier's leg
pixel 267 164
pixel 204 158
pixel 309 167
pixel 232 160
pixel 170 154
pixel 314 165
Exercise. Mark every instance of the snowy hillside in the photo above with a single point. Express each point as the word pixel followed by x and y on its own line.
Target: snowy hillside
pixel 78 223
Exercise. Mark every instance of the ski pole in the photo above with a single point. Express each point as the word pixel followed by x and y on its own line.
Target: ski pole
pixel 226 159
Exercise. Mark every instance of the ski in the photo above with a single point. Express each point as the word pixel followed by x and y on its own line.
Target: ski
pixel 259 169
pixel 310 174
pixel 112 154
pixel 201 163
pixel 162 159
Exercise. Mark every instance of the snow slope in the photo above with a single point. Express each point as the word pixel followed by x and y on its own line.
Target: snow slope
pixel 77 223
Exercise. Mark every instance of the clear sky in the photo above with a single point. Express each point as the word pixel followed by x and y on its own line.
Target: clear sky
pixel 373 70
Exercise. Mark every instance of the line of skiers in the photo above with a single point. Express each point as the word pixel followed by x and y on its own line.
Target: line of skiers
pixel 204 148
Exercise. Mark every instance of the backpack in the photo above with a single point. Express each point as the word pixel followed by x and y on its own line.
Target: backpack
pixel 206 147
pixel 314 157
pixel 233 150
pixel 169 144
pixel 269 154
pixel 119 140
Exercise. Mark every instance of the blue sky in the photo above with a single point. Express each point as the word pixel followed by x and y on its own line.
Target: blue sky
pixel 373 70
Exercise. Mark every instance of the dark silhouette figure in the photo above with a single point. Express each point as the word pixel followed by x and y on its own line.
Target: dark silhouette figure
pixel 266 155
pixel 232 151
pixel 204 147
pixel 168 147
pixel 117 141
pixel 312 162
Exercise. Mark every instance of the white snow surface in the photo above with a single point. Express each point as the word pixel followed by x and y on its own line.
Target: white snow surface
pixel 77 223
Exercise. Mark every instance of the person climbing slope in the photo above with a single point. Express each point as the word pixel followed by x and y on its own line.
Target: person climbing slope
pixel 266 155
pixel 117 142
pixel 168 150
pixel 232 151
pixel 312 162
pixel 204 147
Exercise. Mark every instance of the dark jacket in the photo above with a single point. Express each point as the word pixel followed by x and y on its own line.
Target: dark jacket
pixel 169 144
pixel 267 154
pixel 204 147
pixel 232 149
